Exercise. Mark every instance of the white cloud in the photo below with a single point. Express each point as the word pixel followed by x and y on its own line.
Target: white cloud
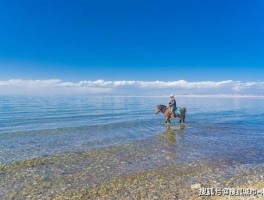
pixel 57 86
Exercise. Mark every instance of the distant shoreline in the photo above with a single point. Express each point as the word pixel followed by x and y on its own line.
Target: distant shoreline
pixel 139 96
pixel 189 95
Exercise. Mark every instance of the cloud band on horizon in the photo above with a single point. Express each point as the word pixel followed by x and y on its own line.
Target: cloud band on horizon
pixel 57 86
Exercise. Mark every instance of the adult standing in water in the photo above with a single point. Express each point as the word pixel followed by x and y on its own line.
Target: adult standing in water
pixel 172 105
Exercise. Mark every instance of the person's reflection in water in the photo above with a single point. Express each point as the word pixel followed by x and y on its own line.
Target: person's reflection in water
pixel 167 142
pixel 172 133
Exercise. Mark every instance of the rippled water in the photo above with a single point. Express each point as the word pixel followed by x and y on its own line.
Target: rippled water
pixel 216 128
pixel 100 147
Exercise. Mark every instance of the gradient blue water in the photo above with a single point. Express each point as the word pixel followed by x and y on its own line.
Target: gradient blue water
pixel 217 128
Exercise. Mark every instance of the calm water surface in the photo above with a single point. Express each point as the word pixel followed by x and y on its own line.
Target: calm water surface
pixel 65 146
pixel 230 129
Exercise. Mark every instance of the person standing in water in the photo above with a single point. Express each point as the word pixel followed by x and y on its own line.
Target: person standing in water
pixel 172 105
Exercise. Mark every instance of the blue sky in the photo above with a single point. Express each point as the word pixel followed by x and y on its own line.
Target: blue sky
pixel 132 40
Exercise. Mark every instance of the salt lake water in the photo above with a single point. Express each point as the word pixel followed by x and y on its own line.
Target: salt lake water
pixel 40 126
pixel 229 130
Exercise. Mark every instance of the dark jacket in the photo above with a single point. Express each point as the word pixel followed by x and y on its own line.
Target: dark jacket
pixel 172 104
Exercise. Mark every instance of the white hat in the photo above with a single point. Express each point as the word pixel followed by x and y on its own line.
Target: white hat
pixel 171 95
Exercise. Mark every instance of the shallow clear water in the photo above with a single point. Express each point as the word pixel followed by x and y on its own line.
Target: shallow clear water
pixel 97 147
pixel 229 129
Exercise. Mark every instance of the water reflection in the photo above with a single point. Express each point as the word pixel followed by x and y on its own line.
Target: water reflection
pixel 172 134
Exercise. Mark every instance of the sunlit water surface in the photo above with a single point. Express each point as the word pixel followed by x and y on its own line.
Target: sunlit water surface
pixel 223 128
pixel 229 130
